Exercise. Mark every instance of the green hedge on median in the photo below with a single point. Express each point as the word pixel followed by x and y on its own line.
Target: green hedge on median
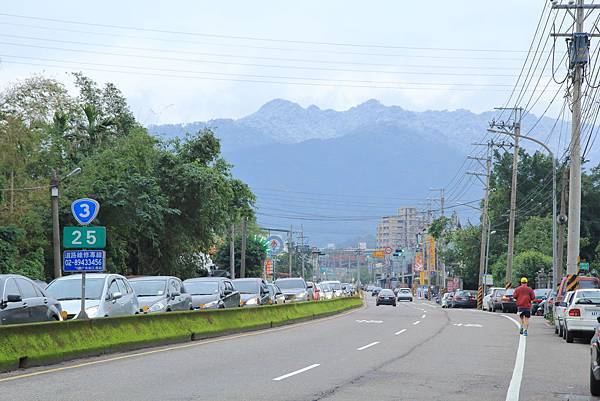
pixel 45 343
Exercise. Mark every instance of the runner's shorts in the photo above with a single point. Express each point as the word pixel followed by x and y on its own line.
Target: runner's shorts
pixel 524 312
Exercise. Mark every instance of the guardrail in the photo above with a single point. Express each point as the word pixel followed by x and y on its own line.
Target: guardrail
pixel 38 344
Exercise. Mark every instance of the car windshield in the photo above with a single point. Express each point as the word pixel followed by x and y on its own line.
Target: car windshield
pixel 201 287
pixel 70 288
pixel 287 284
pixel 588 297
pixel 325 287
pixel 509 291
pixel 542 292
pixel 149 288
pixel 587 284
pixel 386 292
pixel 335 286
pixel 246 287
pixel 405 290
pixel 499 293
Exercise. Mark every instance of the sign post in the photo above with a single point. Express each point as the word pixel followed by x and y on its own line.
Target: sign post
pixel 87 242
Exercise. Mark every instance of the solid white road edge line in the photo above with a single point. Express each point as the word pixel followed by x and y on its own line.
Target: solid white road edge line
pixel 367 346
pixel 515 382
pixel 296 372
pixel 400 332
pixel 417 322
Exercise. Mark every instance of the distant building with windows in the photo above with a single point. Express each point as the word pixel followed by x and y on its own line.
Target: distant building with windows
pixel 400 230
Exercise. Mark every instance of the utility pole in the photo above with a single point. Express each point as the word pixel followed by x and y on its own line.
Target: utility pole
pixel 442 199
pixel 513 129
pixel 302 254
pixel 561 221
pixel 243 248
pixel 484 221
pixel 55 224
pixel 578 43
pixel 290 250
pixel 232 252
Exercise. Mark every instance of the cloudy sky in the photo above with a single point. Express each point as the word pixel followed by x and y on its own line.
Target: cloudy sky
pixel 182 61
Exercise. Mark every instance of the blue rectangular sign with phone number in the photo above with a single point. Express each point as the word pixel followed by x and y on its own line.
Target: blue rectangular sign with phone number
pixel 84 261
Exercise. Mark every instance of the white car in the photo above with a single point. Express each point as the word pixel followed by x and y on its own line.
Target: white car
pixel 336 286
pixel 105 295
pixel 404 294
pixel 559 312
pixel 581 314
pixel 487 299
pixel 325 291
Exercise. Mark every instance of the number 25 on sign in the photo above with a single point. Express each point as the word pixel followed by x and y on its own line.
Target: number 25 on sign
pixel 84 237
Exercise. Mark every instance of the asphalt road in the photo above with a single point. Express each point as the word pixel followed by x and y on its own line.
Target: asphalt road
pixel 416 351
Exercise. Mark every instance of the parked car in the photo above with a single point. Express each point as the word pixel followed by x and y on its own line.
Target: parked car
pixel 487 299
pixel 313 290
pixel 160 294
pixel 540 295
pixel 253 291
pixel 583 282
pixel 595 361
pixel 508 302
pixel 496 299
pixel 464 299
pixel 106 295
pixel 336 286
pixel 369 287
pixel 404 294
pixel 540 311
pixel 277 297
pixel 294 289
pixel 325 291
pixel 549 306
pixel 212 293
pixel 385 297
pixel 375 291
pixel 447 299
pixel 22 301
pixel 559 312
pixel 581 314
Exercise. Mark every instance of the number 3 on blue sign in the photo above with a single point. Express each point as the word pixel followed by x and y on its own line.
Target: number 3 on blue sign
pixel 85 210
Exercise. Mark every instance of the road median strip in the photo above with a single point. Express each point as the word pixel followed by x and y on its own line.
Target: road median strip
pixel 40 344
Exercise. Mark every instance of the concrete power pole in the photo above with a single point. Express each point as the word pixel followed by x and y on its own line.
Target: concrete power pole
pixel 578 43
pixel 232 252
pixel 290 250
pixel 561 231
pixel 55 225
pixel 485 220
pixel 243 248
pixel 513 200
pixel 302 253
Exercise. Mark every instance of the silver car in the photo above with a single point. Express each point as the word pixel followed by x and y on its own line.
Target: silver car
pixel 106 295
pixel 294 289
pixel 160 294
pixel 212 293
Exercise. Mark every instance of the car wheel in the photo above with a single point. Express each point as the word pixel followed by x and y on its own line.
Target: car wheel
pixel 564 332
pixel 503 309
pixel 560 330
pixel 555 329
pixel 594 384
pixel 394 305
pixel 569 337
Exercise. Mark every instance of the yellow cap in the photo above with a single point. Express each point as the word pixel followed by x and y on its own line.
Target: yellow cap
pixel 524 279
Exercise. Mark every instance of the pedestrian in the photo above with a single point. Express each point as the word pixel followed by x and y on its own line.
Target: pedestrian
pixel 524 295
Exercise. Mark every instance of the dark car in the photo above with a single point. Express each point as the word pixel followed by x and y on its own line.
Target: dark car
pixel 508 301
pixel 496 299
pixel 160 294
pixel 386 297
pixel 23 301
pixel 212 293
pixel 294 289
pixel 595 362
pixel 375 291
pixel 541 294
pixel 464 299
pixel 253 291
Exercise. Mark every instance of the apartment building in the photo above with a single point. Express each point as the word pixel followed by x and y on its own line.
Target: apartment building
pixel 400 230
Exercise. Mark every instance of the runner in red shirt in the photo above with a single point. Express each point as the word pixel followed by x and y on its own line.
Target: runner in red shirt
pixel 524 295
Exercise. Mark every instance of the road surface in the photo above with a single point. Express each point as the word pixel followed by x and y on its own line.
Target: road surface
pixel 415 351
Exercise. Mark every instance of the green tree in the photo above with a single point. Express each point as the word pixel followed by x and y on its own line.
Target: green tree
pixel 256 254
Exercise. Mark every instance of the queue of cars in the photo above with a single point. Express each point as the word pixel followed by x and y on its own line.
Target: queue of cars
pixel 108 295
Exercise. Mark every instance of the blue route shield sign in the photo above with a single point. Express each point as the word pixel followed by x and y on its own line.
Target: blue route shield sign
pixel 85 210
pixel 84 261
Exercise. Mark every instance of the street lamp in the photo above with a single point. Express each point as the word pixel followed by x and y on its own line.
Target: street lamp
pixel 54 184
